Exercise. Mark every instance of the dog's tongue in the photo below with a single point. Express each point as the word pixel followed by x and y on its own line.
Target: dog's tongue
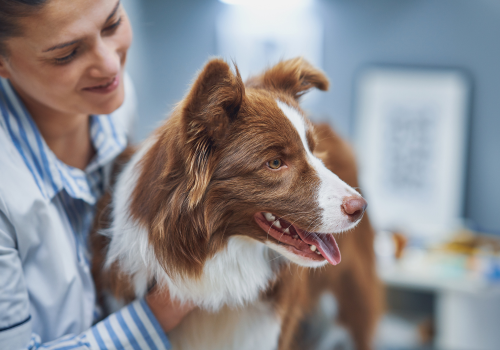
pixel 325 243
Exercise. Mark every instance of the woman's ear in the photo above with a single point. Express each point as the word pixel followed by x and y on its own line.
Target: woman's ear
pixel 4 72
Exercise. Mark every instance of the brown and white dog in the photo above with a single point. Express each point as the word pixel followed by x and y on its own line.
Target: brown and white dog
pixel 226 203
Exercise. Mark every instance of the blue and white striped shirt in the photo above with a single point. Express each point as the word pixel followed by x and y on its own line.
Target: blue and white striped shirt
pixel 47 296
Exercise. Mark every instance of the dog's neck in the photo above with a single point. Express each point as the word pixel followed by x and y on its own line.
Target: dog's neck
pixel 234 276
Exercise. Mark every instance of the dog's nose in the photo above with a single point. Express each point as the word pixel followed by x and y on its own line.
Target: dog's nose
pixel 354 207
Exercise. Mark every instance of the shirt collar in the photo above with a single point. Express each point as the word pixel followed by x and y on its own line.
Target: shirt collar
pixel 50 174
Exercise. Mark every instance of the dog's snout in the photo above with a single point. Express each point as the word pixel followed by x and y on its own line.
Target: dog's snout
pixel 354 207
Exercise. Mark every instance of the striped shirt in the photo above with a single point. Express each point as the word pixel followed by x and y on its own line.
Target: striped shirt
pixel 47 295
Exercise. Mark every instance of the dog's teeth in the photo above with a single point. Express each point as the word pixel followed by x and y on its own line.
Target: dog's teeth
pixel 287 231
pixel 269 216
pixel 313 248
pixel 296 236
pixel 277 224
pixel 317 252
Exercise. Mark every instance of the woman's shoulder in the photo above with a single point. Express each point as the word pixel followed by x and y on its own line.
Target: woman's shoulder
pixel 13 167
pixel 18 191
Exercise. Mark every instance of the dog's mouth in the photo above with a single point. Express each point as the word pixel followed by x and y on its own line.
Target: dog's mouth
pixel 312 245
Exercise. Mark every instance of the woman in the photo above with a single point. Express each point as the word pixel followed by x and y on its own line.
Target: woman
pixel 63 120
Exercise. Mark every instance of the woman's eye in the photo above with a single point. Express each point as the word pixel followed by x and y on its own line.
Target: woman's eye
pixel 66 59
pixel 274 164
pixel 113 26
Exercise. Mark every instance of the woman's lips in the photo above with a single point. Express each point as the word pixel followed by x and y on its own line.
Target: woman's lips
pixel 106 87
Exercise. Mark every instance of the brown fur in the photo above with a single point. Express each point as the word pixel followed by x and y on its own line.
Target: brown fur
pixel 354 281
pixel 198 160
pixel 206 175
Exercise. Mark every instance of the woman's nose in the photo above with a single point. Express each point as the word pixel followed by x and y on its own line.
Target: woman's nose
pixel 106 61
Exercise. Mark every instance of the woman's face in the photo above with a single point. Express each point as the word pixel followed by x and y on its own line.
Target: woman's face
pixel 71 56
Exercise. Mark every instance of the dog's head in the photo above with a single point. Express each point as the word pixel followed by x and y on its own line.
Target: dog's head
pixel 238 160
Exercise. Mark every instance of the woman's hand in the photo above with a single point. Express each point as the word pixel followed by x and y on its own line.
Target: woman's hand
pixel 168 312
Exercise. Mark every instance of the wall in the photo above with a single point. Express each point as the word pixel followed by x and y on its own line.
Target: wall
pixel 178 36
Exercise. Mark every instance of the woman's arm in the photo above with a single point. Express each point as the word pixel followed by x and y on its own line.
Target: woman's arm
pixel 133 327
pixel 168 312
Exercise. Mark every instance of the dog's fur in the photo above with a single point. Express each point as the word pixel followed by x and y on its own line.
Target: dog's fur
pixel 186 210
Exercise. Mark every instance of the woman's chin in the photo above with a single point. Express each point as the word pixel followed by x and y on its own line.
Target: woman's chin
pixel 108 109
pixel 108 105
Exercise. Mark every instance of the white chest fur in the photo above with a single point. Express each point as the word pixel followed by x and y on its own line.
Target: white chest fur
pixel 255 326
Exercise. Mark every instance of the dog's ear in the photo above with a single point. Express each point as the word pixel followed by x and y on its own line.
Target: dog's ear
pixel 295 77
pixel 211 105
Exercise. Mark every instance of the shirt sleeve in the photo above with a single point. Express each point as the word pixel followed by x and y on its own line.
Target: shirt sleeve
pixel 133 327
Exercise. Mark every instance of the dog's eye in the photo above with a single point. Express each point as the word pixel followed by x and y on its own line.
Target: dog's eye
pixel 274 164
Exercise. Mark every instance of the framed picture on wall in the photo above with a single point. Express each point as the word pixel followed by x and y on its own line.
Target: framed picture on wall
pixel 411 141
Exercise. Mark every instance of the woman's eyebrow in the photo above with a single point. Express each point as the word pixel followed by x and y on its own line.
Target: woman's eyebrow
pixel 63 45
pixel 60 46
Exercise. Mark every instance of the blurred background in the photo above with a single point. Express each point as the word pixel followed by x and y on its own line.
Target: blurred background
pixel 423 61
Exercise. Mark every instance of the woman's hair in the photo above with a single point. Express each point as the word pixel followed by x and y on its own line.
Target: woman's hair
pixel 10 12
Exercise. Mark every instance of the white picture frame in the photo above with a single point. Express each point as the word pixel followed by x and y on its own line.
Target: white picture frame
pixel 411 142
